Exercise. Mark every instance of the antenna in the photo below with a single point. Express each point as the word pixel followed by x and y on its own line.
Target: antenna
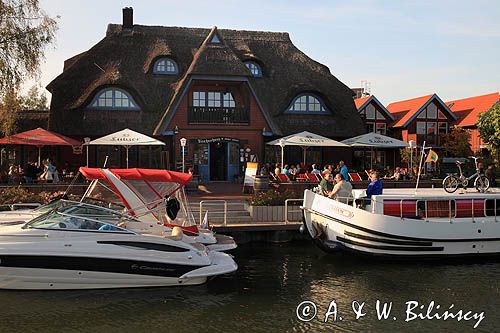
pixel 367 88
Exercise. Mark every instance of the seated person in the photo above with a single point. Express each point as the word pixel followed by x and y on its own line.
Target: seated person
pixel 326 183
pixel 375 187
pixel 342 189
pixel 397 175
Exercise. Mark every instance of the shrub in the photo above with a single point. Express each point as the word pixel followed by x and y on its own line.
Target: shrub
pixel 12 195
pixel 272 198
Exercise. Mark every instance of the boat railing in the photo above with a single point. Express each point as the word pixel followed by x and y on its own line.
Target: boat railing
pixel 17 206
pixel 450 209
pixel 212 203
pixel 290 209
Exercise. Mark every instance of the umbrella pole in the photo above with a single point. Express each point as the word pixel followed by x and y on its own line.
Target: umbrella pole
pixel 371 158
pixel 126 148
pixel 282 150
pixel 39 156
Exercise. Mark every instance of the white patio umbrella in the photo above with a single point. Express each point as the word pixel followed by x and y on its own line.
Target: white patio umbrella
pixel 375 140
pixel 126 138
pixel 305 140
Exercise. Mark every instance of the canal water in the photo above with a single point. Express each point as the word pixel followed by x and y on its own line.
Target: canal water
pixel 272 280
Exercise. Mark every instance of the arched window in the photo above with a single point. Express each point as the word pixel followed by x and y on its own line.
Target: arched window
pixel 165 66
pixel 114 98
pixel 254 68
pixel 307 103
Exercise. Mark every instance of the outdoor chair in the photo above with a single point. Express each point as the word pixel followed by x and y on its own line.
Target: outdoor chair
pixel 355 177
pixel 283 178
pixel 313 177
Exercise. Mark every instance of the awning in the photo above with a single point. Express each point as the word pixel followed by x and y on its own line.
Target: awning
pixel 126 138
pixel 374 140
pixel 39 137
pixel 307 139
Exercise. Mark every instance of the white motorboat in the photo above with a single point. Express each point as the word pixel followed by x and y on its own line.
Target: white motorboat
pixel 402 223
pixel 80 246
pixel 142 193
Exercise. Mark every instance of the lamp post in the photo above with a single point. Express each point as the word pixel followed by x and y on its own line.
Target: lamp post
pixel 282 145
pixel 87 140
pixel 412 144
pixel 183 145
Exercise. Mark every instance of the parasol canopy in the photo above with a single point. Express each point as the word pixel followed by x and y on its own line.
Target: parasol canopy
pixel 375 140
pixel 126 138
pixel 39 137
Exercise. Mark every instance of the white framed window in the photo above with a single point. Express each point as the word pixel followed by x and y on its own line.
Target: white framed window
pixel 370 127
pixel 381 128
pixel 307 103
pixel 370 112
pixel 254 68
pixel 199 98
pixel 165 66
pixel 421 128
pixel 443 128
pixel 113 98
pixel 213 99
pixel 228 100
pixel 432 111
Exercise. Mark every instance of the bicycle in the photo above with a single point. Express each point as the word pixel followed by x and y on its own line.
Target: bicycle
pixel 452 182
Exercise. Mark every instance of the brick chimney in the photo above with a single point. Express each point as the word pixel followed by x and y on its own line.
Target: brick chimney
pixel 128 18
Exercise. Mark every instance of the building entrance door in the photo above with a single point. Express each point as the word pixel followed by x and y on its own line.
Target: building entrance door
pixel 218 161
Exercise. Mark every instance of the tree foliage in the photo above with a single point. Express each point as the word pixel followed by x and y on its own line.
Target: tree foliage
pixel 25 31
pixel 457 142
pixel 9 107
pixel 34 100
pixel 489 128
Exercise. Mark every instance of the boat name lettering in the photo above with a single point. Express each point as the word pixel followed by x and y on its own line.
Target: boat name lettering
pixel 149 268
pixel 343 212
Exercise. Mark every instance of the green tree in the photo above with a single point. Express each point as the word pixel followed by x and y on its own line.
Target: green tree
pixel 9 107
pixel 34 100
pixel 489 128
pixel 457 142
pixel 25 31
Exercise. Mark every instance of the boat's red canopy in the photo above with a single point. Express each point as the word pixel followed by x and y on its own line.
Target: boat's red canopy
pixel 39 137
pixel 150 175
pixel 149 185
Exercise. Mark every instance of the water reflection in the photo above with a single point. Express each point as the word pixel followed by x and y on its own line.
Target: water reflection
pixel 262 296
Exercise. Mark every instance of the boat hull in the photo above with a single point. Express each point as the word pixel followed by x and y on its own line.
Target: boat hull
pixel 336 226
pixel 60 279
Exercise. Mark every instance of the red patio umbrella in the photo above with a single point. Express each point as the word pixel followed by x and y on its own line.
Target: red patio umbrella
pixel 39 137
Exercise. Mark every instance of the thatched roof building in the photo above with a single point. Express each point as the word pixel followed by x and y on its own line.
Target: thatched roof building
pixel 125 58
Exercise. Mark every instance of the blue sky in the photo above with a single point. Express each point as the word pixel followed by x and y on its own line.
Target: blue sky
pixel 404 49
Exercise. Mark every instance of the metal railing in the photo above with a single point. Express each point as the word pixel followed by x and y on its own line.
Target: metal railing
pixel 17 206
pixel 218 115
pixel 450 210
pixel 297 210
pixel 216 202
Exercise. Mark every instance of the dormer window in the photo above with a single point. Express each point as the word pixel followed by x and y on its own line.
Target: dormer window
pixel 113 98
pixel 254 68
pixel 165 66
pixel 307 103
pixel 215 39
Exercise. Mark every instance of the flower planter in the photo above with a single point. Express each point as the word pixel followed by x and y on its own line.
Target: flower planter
pixel 266 213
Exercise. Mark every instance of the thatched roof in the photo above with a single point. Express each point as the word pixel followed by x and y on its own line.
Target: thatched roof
pixel 125 58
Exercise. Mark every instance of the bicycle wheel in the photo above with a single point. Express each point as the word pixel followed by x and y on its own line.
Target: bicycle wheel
pixel 450 184
pixel 482 184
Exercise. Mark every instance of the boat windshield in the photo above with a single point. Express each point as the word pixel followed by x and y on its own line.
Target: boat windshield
pixel 50 206
pixel 81 217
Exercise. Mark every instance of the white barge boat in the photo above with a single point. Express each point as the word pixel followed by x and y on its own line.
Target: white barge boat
pixel 400 223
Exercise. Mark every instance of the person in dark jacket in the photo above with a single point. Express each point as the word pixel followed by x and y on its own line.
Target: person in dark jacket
pixel 375 187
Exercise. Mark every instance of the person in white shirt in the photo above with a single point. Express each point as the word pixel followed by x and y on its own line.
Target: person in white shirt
pixel 315 170
pixel 342 189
